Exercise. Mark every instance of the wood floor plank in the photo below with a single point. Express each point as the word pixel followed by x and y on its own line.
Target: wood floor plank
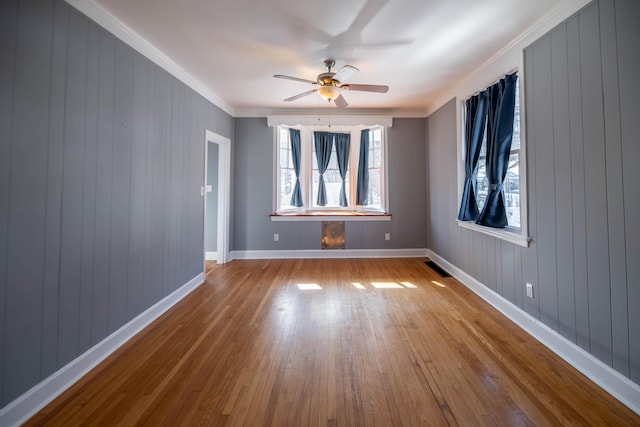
pixel 378 343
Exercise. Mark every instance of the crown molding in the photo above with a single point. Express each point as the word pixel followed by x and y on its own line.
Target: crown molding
pixel 130 37
pixel 333 112
pixel 323 120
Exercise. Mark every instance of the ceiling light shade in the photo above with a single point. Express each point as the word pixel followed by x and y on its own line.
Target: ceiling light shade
pixel 328 92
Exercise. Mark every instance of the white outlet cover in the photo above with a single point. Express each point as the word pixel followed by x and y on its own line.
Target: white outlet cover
pixel 530 290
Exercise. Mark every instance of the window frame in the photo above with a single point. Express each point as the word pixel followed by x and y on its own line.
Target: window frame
pixel 306 174
pixel 516 236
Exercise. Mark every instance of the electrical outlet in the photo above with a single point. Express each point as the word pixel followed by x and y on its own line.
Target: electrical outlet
pixel 387 236
pixel 276 237
pixel 530 290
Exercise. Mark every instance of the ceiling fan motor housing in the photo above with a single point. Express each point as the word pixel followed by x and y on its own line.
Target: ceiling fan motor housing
pixel 325 79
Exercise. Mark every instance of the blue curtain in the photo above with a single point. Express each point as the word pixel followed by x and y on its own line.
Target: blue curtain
pixel 362 186
pixel 323 142
pixel 502 97
pixel 294 137
pixel 343 144
pixel 476 117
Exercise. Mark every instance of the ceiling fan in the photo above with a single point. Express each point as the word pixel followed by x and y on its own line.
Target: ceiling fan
pixel 330 84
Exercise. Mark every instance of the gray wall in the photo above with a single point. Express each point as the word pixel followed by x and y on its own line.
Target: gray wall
pixel 581 88
pixel 101 163
pixel 253 194
pixel 210 239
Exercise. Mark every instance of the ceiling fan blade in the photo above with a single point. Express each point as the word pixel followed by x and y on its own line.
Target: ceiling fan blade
pixel 300 95
pixel 345 73
pixel 340 102
pixel 281 76
pixel 366 88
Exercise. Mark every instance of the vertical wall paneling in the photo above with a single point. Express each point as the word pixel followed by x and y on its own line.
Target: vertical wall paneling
pixel 104 172
pixel 498 267
pixel 174 187
pixel 121 186
pixel 627 14
pixel 8 31
pixel 564 284
pixel 578 191
pixel 85 338
pixel 160 183
pixel 53 209
pixel 72 176
pixel 139 164
pixel 187 190
pixel 149 183
pixel 595 184
pixel 615 188
pixel 530 254
pixel 506 272
pixel 196 178
pixel 518 278
pixel 545 197
pixel 27 192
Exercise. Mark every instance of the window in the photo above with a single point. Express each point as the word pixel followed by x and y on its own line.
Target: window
pixel 309 175
pixel 512 188
pixel 512 181
pixel 287 174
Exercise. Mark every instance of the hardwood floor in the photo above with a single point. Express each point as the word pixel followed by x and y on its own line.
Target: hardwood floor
pixel 373 343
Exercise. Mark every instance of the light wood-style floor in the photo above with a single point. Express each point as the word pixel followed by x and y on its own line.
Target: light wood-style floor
pixel 333 343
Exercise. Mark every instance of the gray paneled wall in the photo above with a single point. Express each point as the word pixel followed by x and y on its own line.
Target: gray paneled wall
pixel 101 163
pixel 582 110
pixel 253 181
pixel 210 240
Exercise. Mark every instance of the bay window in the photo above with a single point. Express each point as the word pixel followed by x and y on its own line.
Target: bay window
pixel 342 169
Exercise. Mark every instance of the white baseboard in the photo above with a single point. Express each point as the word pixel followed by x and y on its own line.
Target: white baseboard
pixel 331 253
pixel 619 386
pixel 211 256
pixel 36 398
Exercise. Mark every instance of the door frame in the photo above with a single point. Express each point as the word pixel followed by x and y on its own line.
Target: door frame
pixel 224 195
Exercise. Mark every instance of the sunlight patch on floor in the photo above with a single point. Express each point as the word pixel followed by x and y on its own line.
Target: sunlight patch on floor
pixel 408 285
pixel 386 285
pixel 309 286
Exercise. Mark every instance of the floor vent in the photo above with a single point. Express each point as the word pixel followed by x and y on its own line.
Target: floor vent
pixel 435 267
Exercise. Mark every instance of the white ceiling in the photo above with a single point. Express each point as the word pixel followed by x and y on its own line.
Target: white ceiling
pixel 420 48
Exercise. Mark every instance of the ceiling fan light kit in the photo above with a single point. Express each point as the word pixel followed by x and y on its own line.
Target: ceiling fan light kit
pixel 328 93
pixel 330 84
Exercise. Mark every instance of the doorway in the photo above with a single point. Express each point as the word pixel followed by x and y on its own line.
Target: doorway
pixel 216 191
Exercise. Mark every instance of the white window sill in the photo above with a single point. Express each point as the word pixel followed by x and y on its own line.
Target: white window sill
pixel 509 236
pixel 330 216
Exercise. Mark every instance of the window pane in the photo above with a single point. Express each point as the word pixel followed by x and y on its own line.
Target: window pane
pixel 512 190
pixel 285 158
pixel 375 200
pixel 332 183
pixel 375 158
pixel 515 142
pixel 287 181
pixel 482 184
pixel 333 162
pixel 376 136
